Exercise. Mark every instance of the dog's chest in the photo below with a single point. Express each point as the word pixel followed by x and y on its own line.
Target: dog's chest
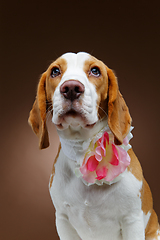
pixel 94 211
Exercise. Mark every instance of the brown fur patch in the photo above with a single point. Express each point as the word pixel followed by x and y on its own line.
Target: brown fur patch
pixel 119 119
pixel 45 91
pixel 152 227
pixel 37 118
pixel 52 83
pixel 110 101
pixel 146 197
pixel 53 169
pixel 100 83
pixel 135 167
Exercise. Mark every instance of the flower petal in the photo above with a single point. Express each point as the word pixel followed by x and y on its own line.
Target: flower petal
pixel 92 164
pixel 101 173
pixel 90 177
pixel 106 137
pixel 98 154
pixel 83 169
pixel 101 150
pixel 113 172
pixel 114 160
pixel 124 157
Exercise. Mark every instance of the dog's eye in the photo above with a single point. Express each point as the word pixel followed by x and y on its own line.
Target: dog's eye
pixel 55 72
pixel 95 72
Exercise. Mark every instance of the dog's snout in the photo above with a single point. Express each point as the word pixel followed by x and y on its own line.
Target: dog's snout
pixel 72 89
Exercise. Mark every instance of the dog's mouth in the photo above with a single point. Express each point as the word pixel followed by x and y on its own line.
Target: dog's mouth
pixel 73 119
pixel 72 113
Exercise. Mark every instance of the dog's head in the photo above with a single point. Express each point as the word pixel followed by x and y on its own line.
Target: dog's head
pixel 81 92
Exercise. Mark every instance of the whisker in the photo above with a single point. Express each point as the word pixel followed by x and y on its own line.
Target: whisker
pixel 47 102
pixel 48 109
pixel 48 116
pixel 100 118
pixel 103 111
pixel 49 113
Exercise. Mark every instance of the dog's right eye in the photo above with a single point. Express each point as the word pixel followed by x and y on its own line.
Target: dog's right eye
pixel 95 72
pixel 55 72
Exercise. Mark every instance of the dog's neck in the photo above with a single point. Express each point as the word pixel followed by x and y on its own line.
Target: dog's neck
pixel 76 151
pixel 75 148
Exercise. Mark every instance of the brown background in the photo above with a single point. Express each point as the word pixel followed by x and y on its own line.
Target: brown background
pixel 125 35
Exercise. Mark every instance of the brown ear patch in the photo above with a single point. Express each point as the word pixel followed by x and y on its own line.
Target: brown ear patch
pixel 119 119
pixel 34 114
pixel 37 118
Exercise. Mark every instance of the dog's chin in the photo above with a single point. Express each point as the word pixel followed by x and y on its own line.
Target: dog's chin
pixel 75 121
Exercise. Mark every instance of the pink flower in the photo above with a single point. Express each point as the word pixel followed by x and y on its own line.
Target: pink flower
pixel 105 160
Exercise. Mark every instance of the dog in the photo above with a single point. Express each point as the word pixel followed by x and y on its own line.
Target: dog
pixel 97 185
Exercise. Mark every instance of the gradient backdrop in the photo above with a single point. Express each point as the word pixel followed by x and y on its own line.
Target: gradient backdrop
pixel 123 34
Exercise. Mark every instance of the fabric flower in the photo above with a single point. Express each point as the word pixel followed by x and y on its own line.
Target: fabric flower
pixel 104 160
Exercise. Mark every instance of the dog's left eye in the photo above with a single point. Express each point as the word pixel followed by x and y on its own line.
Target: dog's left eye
pixel 55 72
pixel 95 72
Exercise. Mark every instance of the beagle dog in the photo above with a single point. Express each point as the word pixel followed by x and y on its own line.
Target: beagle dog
pixel 97 185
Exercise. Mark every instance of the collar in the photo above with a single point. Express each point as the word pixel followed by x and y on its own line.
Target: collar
pixel 98 160
pixel 75 149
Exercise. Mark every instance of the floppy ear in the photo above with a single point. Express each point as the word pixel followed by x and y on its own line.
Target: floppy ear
pixel 37 118
pixel 119 119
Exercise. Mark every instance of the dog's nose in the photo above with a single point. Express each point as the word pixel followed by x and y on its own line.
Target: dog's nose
pixel 72 89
